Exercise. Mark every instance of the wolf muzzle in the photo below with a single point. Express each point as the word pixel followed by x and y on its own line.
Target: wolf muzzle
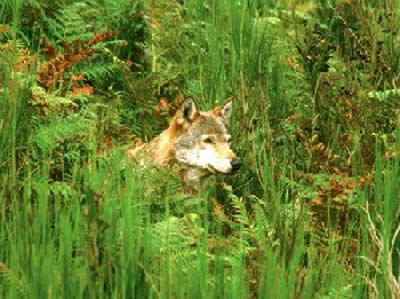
pixel 236 163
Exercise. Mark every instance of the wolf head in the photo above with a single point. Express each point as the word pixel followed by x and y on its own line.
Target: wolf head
pixel 204 142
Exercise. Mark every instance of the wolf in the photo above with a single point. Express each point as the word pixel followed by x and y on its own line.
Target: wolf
pixel 197 141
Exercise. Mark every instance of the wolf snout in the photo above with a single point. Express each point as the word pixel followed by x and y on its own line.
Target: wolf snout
pixel 236 163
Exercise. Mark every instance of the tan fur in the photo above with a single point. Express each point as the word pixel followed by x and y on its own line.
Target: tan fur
pixel 189 139
pixel 162 148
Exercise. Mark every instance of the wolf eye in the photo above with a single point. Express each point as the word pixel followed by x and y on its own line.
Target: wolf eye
pixel 208 140
pixel 229 139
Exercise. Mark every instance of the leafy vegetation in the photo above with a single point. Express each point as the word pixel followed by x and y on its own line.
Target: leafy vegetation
pixel 314 211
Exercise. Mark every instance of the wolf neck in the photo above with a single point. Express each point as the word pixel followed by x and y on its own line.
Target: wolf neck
pixel 164 144
pixel 194 179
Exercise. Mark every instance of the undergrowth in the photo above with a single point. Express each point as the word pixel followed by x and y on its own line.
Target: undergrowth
pixel 314 210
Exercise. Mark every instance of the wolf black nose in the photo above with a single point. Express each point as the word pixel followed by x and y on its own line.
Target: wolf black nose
pixel 236 163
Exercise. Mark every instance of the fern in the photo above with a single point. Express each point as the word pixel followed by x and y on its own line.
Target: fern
pixel 60 131
pixel 72 22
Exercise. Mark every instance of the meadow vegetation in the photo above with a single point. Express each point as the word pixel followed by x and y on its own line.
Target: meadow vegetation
pixel 314 211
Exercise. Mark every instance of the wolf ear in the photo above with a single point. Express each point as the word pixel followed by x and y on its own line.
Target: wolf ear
pixel 188 111
pixel 227 111
pixel 224 112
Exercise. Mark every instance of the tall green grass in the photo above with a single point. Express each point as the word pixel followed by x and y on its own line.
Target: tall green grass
pixel 80 222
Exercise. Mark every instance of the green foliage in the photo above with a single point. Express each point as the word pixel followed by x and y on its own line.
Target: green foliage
pixel 313 212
